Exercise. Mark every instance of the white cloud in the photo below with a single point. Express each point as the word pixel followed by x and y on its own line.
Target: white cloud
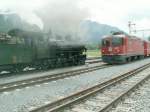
pixel 112 12
pixel 119 12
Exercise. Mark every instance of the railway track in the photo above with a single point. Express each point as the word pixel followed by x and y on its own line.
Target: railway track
pixel 8 74
pixel 43 79
pixel 94 61
pixel 93 58
pixel 102 96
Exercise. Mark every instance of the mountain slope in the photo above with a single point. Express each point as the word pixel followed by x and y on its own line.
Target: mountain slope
pixel 95 31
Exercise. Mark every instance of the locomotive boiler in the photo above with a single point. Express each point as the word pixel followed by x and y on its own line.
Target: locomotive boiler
pixel 20 49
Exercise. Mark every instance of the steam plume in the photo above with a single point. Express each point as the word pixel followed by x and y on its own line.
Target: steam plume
pixel 63 18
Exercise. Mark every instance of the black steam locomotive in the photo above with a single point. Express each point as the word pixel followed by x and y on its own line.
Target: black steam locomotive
pixel 35 49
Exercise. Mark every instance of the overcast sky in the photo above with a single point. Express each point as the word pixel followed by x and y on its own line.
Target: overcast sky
pixel 119 12
pixel 112 12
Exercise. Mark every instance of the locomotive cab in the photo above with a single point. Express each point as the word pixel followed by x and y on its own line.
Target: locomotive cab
pixel 113 49
pixel 112 45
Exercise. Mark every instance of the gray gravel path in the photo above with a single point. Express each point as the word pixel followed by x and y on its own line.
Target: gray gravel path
pixel 100 100
pixel 139 101
pixel 43 73
pixel 24 99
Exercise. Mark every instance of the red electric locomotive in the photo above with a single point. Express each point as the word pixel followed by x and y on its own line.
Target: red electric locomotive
pixel 122 48
pixel 146 48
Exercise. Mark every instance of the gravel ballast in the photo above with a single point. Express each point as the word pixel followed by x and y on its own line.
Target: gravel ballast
pixel 138 101
pixel 25 99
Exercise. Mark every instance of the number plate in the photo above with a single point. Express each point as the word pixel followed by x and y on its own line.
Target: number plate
pixel 110 49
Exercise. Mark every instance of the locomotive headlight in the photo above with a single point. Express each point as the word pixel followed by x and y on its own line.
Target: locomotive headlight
pixel 84 53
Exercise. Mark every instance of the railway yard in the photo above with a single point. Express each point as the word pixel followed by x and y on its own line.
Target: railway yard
pixel 44 71
pixel 74 56
pixel 93 87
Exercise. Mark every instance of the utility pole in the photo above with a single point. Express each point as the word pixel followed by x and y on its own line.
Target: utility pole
pixel 143 30
pixel 132 28
pixel 130 24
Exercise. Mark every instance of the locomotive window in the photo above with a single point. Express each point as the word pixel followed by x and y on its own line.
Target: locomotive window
pixel 117 41
pixel 105 43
